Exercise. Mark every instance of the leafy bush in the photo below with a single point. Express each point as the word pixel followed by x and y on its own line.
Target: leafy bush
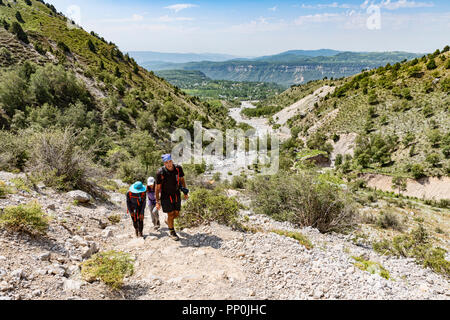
pixel 55 86
pixel 238 182
pixel 417 171
pixel 388 220
pixel 205 206
pixel 131 171
pixel 25 218
pixel 416 245
pixel 304 200
pixel 56 158
pixel 374 149
pixel 110 267
pixel 433 159
pixel 4 190
pixel 14 150
pixel 319 142
pixel 431 65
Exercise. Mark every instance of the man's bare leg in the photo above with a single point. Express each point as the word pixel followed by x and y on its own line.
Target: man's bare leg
pixel 171 223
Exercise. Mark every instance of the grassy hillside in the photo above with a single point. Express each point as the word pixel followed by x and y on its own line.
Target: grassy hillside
pixel 400 112
pixel 55 75
pixel 196 83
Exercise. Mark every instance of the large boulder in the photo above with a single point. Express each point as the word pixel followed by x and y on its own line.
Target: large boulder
pixel 79 196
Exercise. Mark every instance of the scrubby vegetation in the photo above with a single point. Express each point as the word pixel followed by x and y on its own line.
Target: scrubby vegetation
pixel 108 103
pixel 110 267
pixel 25 218
pixel 417 244
pixel 304 200
pixel 206 206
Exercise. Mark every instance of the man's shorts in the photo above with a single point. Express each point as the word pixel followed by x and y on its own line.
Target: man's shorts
pixel 169 206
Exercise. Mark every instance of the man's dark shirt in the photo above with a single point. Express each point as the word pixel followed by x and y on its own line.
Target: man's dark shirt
pixel 168 181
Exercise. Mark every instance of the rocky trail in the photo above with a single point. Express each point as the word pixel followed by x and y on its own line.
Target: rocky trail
pixel 210 262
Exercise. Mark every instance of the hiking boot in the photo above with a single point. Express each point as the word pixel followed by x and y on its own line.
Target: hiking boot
pixel 137 233
pixel 157 227
pixel 140 235
pixel 174 236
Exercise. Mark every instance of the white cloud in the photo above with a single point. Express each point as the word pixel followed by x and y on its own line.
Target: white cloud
pixel 181 6
pixel 166 18
pixel 322 17
pixel 328 5
pixel 273 9
pixel 394 5
pixel 134 18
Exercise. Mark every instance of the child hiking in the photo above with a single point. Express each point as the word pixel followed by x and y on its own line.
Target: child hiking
pixel 151 186
pixel 136 201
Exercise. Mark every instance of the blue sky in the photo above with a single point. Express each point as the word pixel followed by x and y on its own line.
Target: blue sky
pixel 261 27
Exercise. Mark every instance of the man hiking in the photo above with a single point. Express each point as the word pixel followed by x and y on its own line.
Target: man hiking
pixel 169 182
pixel 136 206
pixel 151 185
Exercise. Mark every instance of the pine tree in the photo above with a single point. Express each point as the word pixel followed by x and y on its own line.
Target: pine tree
pixel 18 31
pixel 431 64
pixel 19 17
pixel 117 72
pixel 91 46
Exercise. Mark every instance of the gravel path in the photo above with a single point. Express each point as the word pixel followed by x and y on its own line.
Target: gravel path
pixel 210 262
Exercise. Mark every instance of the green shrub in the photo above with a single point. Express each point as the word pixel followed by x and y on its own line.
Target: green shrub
pixel 21 184
pixel 91 46
pixel 57 87
pixel 371 267
pixel 303 199
pixel 205 206
pixel 25 218
pixel 434 137
pixel 417 171
pixel 388 220
pixel 238 182
pixel 433 158
pixel 131 171
pixel 14 150
pixel 374 149
pixel 431 65
pixel 114 219
pixel 4 190
pixel 110 267
pixel 416 245
pixel 297 236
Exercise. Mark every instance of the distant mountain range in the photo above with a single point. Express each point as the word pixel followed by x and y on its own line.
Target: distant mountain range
pixel 287 68
pixel 159 57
